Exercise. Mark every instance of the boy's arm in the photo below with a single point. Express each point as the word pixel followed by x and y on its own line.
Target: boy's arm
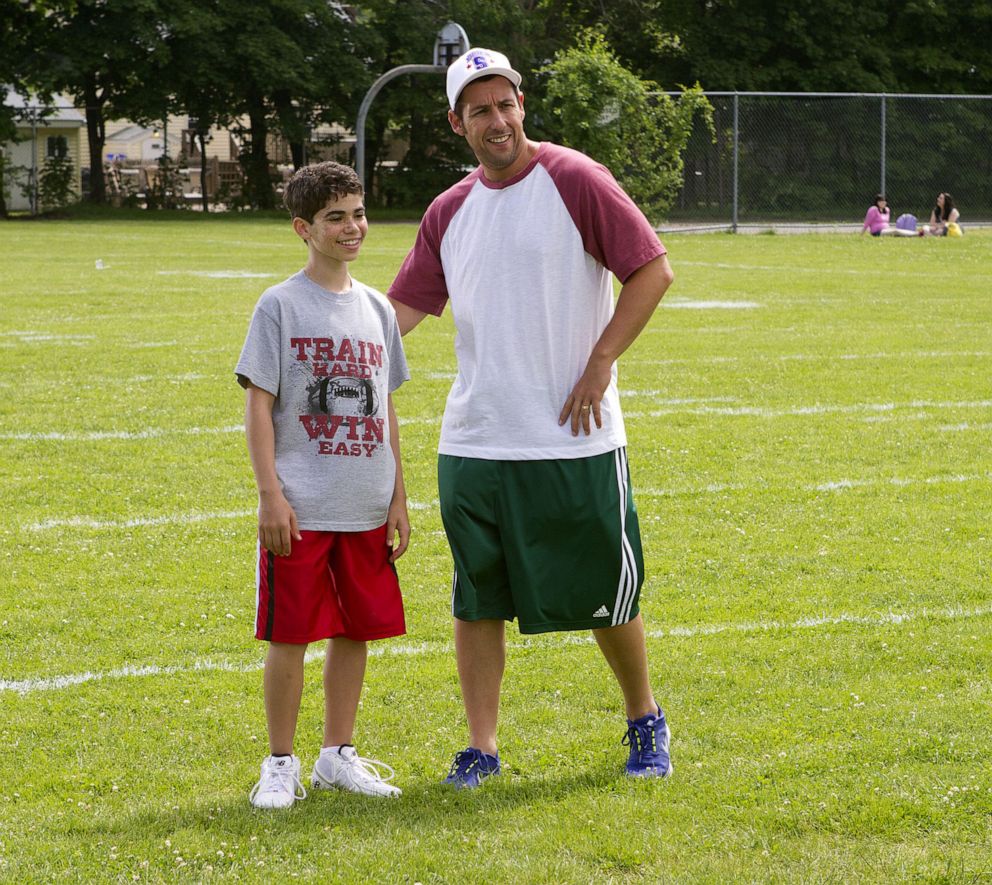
pixel 277 527
pixel 397 522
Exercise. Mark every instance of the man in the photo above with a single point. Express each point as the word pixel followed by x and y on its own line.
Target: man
pixel 532 469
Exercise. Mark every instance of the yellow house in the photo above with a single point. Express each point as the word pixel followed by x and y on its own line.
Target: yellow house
pixel 42 132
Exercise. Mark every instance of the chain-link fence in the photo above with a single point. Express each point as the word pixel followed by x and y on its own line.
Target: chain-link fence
pixel 781 159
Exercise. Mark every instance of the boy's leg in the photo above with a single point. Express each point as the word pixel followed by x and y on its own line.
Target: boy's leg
pixel 339 766
pixel 368 606
pixel 625 651
pixel 283 682
pixel 480 649
pixel 344 674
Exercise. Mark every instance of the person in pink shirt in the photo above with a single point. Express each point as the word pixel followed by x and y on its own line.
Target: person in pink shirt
pixel 877 218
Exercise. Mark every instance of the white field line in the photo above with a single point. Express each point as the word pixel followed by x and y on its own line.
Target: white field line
pixel 813 357
pixel 685 401
pixel 30 335
pixel 99 382
pixel 838 485
pixel 86 522
pixel 216 274
pixel 884 619
pixel 152 433
pixel 951 428
pixel 712 305
pixel 697 407
pixel 790 269
pixel 765 412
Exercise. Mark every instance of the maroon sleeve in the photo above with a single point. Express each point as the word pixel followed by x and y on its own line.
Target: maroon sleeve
pixel 614 231
pixel 420 283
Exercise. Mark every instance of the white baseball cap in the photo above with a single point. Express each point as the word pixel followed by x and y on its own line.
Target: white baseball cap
pixel 474 64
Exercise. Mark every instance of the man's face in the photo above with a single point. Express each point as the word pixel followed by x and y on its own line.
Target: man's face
pixel 492 117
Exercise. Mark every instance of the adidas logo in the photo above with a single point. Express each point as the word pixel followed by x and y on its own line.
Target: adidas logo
pixel 602 612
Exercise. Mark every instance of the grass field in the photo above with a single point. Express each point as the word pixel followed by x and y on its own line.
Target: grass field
pixel 810 422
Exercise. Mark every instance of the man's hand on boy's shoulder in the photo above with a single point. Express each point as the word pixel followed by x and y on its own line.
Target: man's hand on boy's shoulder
pixel 277 527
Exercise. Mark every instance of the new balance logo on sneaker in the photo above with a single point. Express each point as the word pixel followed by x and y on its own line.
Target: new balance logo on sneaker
pixel 602 612
pixel 344 769
pixel 279 786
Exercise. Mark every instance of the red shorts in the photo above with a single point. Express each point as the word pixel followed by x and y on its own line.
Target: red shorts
pixel 331 584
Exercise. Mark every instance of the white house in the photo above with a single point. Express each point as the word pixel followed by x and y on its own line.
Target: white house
pixel 42 132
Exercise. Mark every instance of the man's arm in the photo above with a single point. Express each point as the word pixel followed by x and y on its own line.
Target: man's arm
pixel 277 527
pixel 406 317
pixel 637 301
pixel 397 521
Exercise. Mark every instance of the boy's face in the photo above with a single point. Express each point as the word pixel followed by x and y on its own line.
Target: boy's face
pixel 337 230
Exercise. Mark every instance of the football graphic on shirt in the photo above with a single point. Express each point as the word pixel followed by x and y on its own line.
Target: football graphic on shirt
pixel 343 396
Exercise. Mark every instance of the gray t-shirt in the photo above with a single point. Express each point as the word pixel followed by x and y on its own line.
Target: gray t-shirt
pixel 331 360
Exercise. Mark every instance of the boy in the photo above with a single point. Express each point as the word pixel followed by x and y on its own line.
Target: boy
pixel 320 362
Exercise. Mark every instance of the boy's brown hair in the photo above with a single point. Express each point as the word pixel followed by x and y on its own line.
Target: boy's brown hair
pixel 312 187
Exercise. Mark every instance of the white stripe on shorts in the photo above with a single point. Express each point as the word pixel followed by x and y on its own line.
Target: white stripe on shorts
pixel 628 564
pixel 454 589
pixel 258 581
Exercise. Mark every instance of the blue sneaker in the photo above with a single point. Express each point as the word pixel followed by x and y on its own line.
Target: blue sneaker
pixel 648 738
pixel 470 768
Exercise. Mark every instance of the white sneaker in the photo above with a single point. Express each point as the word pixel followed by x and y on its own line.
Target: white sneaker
pixel 344 769
pixel 279 786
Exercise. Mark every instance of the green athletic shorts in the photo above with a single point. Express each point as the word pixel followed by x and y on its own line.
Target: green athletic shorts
pixel 554 544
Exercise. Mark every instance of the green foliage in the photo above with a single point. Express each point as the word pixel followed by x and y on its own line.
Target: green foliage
pixel 166 190
pixel 410 113
pixel 104 55
pixel 609 113
pixel 57 183
pixel 819 158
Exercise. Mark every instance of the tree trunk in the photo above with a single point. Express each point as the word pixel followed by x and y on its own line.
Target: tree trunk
pixel 292 128
pixel 298 151
pixel 202 136
pixel 96 136
pixel 259 187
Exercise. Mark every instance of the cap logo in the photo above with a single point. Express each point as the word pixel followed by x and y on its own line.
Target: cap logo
pixel 478 61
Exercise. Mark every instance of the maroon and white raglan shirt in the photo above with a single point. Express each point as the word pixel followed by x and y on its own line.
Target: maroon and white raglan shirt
pixel 526 264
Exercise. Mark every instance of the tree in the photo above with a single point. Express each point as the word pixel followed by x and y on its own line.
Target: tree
pixel 192 75
pixel 104 55
pixel 796 45
pixel 640 32
pixel 610 114
pixel 413 109
pixel 941 47
pixel 56 183
pixel 284 65
pixel 20 27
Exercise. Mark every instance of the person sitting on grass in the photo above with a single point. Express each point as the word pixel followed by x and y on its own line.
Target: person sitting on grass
pixel 320 362
pixel 877 217
pixel 944 214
